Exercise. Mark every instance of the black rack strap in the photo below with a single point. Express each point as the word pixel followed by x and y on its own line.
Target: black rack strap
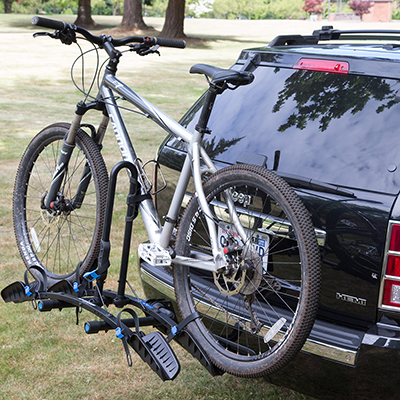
pixel 124 333
pixel 175 330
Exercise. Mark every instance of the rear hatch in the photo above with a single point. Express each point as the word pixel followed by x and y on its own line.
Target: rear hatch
pixel 331 133
pixel 332 136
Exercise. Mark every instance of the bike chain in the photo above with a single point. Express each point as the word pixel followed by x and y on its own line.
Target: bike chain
pixel 255 325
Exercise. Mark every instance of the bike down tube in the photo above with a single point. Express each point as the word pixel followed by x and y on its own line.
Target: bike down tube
pixel 176 203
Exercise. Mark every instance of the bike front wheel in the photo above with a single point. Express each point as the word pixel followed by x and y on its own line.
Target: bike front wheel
pixel 68 239
pixel 257 312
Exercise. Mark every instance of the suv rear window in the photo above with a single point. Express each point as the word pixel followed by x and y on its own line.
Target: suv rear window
pixel 340 129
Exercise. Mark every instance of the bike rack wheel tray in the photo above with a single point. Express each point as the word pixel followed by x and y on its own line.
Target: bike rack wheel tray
pixel 153 348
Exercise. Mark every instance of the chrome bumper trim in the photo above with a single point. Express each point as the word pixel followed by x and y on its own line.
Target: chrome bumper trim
pixel 333 353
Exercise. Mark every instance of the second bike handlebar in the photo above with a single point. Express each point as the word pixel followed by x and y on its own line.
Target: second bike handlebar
pixel 99 40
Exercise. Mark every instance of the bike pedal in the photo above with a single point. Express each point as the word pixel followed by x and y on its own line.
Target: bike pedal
pixel 157 353
pixel 154 255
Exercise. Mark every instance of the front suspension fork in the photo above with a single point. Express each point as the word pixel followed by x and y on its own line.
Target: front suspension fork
pixel 68 146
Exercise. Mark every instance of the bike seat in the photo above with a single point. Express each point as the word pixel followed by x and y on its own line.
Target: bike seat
pixel 220 75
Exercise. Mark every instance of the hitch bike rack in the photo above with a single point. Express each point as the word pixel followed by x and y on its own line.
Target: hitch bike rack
pixel 153 348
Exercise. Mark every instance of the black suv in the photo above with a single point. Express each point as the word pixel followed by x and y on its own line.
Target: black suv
pixel 321 112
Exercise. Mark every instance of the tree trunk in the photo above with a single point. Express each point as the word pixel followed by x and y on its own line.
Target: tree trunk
pixel 174 18
pixel 132 18
pixel 8 6
pixel 84 18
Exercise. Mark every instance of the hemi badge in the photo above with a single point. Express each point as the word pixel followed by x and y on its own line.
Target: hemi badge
pixel 351 299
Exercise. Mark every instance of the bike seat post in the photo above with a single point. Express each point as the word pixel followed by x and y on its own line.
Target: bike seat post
pixel 207 109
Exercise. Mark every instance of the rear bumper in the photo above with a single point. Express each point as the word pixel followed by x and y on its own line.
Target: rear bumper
pixel 327 354
pixel 326 339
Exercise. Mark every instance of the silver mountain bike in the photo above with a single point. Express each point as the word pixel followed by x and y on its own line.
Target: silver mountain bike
pixel 243 253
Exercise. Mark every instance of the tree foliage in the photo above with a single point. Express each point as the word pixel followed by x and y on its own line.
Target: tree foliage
pixel 222 8
pixel 313 6
pixel 248 9
pixel 283 9
pixel 107 7
pixel 157 9
pixel 325 97
pixel 48 7
pixel 258 9
pixel 360 7
pixel 245 8
pixel 199 8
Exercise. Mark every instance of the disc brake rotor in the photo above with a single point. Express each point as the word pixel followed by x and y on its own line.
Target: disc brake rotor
pixel 245 277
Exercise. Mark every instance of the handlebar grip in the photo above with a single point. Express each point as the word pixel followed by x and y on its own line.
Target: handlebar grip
pixel 179 44
pixel 49 23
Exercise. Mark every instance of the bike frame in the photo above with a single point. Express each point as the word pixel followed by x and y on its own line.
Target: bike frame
pixel 159 235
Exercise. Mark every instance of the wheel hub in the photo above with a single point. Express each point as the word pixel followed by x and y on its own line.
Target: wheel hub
pixel 242 275
pixel 60 206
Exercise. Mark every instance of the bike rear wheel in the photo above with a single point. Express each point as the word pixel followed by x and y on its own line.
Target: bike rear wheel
pixel 58 242
pixel 256 314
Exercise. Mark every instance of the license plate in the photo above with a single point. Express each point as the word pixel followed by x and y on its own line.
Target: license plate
pixel 259 241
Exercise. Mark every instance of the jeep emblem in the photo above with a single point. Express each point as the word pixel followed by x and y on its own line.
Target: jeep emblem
pixel 243 199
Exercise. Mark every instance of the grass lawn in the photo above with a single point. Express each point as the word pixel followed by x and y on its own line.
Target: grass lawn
pixel 46 356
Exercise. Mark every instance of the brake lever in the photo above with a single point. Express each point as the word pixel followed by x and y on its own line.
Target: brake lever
pixel 154 49
pixel 52 35
pixel 143 50
pixel 67 37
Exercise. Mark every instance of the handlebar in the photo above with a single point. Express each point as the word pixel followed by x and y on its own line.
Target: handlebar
pixel 49 23
pixel 100 40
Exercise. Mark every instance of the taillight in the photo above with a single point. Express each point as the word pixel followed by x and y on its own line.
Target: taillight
pixel 390 289
pixel 393 265
pixel 313 64
pixel 391 293
pixel 395 238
